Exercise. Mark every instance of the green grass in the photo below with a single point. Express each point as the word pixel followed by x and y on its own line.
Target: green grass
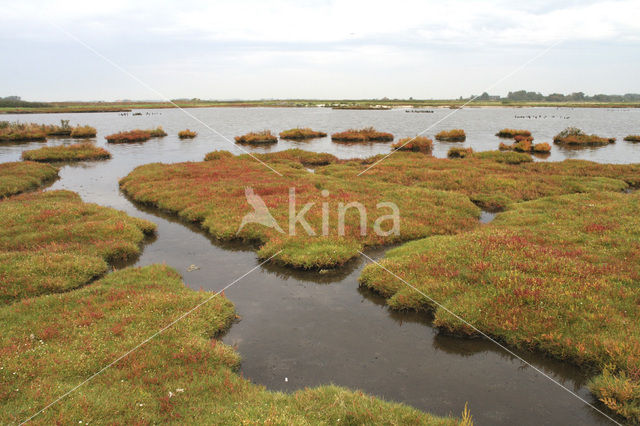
pixel 50 344
pixel 560 274
pixel 52 242
pixel 24 176
pixel 76 152
pixel 212 193
pixel 488 179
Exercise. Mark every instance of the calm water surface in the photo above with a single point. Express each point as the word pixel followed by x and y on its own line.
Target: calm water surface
pixel 302 329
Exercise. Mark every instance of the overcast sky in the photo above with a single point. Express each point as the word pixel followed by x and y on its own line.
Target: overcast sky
pixel 316 49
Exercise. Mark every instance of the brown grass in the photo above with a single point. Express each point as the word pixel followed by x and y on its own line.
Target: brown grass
pixel 367 134
pixel 187 134
pixel 416 144
pixel 257 138
pixel 129 137
pixel 455 135
pixel 301 133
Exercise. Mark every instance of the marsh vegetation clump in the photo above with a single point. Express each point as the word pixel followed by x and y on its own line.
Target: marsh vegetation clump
pixel 492 180
pixel 214 194
pixel 632 138
pixel 21 132
pixel 82 132
pixel 52 242
pixel 512 133
pixel 76 152
pixel 158 132
pixel 543 266
pixel 22 176
pixel 257 138
pixel 525 144
pixel 459 152
pixel 415 144
pixel 572 136
pixel 50 343
pixel 296 155
pixel 455 135
pixel 367 134
pixel 187 134
pixel 63 129
pixel 129 136
pixel 301 133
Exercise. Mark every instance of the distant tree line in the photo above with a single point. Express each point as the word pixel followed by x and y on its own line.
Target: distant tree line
pixel 16 101
pixel 524 96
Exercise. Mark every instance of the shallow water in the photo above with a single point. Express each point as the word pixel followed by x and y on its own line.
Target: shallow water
pixel 302 329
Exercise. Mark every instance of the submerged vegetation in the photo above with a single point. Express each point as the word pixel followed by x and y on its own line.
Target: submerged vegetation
pixel 23 176
pixel 301 133
pixel 459 152
pixel 187 134
pixel 455 135
pixel 416 144
pixel 214 194
pixel 257 138
pixel 493 180
pixel 367 134
pixel 573 136
pixel 76 152
pixel 512 133
pixel 557 274
pixel 53 241
pixel 129 136
pixel 50 344
pixel 21 132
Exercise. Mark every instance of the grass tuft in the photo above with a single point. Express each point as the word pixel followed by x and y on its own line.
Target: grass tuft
pixel 82 132
pixel 367 134
pixel 129 136
pixel 575 137
pixel 455 135
pixel 158 132
pixel 459 152
pixel 415 144
pixel 257 138
pixel 21 132
pixel 76 152
pixel 187 134
pixel 512 133
pixel 632 138
pixel 301 133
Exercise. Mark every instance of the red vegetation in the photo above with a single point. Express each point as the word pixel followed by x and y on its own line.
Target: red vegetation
pixel 130 136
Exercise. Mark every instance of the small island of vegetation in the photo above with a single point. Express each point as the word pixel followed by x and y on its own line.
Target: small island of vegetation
pixel 129 136
pixel 77 152
pixel 575 137
pixel 187 134
pixel 257 138
pixel 301 133
pixel 367 134
pixel 455 135
pixel 415 144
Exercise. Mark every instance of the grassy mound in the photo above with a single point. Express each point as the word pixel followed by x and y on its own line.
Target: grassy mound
pixel 23 176
pixel 158 132
pixel 415 144
pixel 257 138
pixel 52 343
pixel 512 133
pixel 306 158
pixel 525 145
pixel 575 137
pixel 52 242
pixel 83 132
pixel 301 133
pixel 455 135
pixel 129 137
pixel 76 152
pixel 632 138
pixel 559 274
pixel 187 134
pixel 492 180
pixel 367 134
pixel 21 132
pixel 214 194
pixel 459 152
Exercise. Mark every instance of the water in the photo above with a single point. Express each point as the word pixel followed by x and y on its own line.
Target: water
pixel 311 328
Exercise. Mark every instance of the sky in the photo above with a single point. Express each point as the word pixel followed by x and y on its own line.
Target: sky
pixel 112 50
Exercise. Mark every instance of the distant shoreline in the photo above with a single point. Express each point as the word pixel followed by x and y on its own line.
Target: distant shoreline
pixel 122 107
